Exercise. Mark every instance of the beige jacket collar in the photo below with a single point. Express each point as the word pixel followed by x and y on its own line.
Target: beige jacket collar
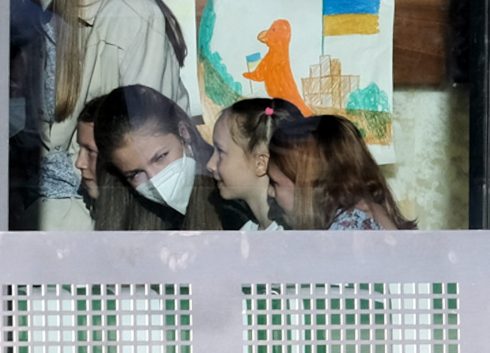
pixel 90 10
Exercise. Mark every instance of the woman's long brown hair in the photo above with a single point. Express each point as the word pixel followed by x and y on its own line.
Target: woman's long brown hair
pixel 332 169
pixel 135 107
pixel 68 57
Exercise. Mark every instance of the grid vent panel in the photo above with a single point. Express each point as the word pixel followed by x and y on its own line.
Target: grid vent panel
pixel 351 318
pixel 97 318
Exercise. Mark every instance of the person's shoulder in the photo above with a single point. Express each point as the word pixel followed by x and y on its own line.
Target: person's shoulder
pixel 122 21
pixel 250 226
pixel 274 226
pixel 233 213
pixel 142 8
pixel 381 217
pixel 355 219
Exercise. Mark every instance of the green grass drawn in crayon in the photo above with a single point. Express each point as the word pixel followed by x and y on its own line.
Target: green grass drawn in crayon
pixel 377 122
pixel 371 103
pixel 219 84
pixel 216 87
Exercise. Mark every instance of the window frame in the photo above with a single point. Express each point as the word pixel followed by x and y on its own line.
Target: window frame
pixel 4 110
pixel 479 158
pixel 479 173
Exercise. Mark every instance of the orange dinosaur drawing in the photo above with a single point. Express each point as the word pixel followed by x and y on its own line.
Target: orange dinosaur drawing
pixel 275 68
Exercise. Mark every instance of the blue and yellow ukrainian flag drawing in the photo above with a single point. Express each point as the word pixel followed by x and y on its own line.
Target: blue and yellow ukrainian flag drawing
pixel 252 61
pixel 344 17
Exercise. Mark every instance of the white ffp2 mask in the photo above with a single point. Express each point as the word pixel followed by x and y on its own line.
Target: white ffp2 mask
pixel 172 186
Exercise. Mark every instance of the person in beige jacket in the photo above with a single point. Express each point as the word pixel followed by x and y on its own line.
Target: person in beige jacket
pixel 122 42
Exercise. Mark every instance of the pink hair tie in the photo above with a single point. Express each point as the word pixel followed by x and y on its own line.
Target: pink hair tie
pixel 269 111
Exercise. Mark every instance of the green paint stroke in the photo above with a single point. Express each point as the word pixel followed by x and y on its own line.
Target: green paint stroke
pixel 370 98
pixel 216 87
pixel 219 84
pixel 378 122
pixel 372 104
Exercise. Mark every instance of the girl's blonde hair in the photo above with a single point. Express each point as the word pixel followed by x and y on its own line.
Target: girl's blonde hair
pixel 252 121
pixel 332 169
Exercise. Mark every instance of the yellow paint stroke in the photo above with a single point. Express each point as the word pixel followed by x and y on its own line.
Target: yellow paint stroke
pixel 336 25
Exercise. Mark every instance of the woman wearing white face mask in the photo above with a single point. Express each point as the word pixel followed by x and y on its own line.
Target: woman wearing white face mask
pixel 158 153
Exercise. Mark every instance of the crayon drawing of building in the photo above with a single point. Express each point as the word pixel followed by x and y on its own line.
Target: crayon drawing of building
pixel 326 87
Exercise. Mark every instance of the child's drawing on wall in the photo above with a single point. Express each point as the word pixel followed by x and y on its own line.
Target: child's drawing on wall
pixel 275 68
pixel 325 56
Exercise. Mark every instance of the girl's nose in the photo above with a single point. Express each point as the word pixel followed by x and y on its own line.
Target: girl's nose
pixel 211 166
pixel 81 162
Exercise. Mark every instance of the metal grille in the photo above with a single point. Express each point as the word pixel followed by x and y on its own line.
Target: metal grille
pixel 351 318
pixel 278 292
pixel 100 318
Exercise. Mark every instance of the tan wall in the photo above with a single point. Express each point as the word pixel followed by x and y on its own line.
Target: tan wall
pixel 431 137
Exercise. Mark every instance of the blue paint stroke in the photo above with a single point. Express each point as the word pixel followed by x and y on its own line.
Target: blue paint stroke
pixel 370 98
pixel 341 7
pixel 253 57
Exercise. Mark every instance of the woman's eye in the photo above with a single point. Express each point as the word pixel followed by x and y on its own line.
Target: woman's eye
pixel 132 176
pixel 161 157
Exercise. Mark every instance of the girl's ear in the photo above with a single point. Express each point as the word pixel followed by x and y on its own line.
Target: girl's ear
pixel 184 133
pixel 186 137
pixel 261 164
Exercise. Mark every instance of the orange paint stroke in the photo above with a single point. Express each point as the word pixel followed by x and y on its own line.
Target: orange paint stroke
pixel 275 68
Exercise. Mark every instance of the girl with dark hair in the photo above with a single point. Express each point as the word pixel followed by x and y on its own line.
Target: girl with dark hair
pixel 241 156
pixel 92 47
pixel 324 177
pixel 154 147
